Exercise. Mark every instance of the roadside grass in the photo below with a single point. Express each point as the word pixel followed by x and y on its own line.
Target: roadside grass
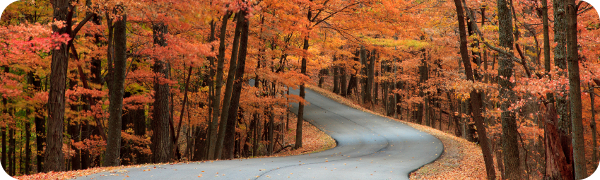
pixel 461 159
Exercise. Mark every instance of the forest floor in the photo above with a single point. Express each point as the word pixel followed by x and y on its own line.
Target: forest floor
pixel 314 140
pixel 461 159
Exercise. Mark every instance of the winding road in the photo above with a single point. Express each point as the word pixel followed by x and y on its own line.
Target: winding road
pixel 368 147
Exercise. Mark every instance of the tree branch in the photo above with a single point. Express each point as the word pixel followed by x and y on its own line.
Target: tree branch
pixel 334 13
pixel 80 25
pixel 487 44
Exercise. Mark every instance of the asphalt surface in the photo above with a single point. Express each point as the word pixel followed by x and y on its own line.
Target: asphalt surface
pixel 368 147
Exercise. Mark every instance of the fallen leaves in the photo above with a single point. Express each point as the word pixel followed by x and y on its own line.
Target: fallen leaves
pixel 460 160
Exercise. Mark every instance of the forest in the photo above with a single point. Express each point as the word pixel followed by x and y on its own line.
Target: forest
pixel 100 83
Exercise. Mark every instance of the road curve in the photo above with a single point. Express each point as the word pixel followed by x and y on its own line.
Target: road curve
pixel 368 147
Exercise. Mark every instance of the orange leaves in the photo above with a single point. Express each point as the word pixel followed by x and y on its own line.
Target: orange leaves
pixel 95 145
pixel 140 144
pixel 136 101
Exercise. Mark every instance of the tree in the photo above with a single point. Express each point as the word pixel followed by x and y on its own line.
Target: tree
pixel 53 159
pixel 579 163
pixel 302 91
pixel 510 148
pixel 116 81
pixel 237 87
pixel 560 54
pixel 219 84
pixel 475 96
pixel 229 86
pixel 161 139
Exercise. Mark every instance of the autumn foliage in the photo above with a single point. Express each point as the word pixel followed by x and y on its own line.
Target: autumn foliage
pixel 187 62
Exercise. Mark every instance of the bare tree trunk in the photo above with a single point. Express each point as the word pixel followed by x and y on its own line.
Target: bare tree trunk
pixel 302 91
pixel 54 159
pixel 256 135
pixel 27 162
pixel 204 148
pixel 343 82
pixel 560 53
pixel 363 74
pixel 219 83
pixel 475 96
pixel 4 159
pixel 579 161
pixel 161 140
pixel 336 76
pixel 322 73
pixel 351 84
pixel 116 91
pixel 547 65
pixel 593 127
pixel 237 87
pixel 11 152
pixel 376 90
pixel 370 78
pixel 423 74
pixel 271 135
pixel 229 87
pixel 510 147
pixel 559 163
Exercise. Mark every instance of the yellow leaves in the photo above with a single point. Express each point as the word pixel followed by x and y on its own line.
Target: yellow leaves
pixel 400 44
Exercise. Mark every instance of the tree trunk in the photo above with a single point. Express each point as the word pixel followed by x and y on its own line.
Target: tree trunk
pixel 219 84
pixel 161 142
pixel 560 53
pixel 547 66
pixel 423 74
pixel 11 152
pixel 5 111
pixel 363 74
pixel 27 162
pixel 271 135
pixel 302 91
pixel 54 159
pixel 39 128
pixel 4 159
pixel 322 74
pixel 116 88
pixel 199 144
pixel 575 92
pixel 376 90
pixel 237 87
pixel 370 78
pixel 256 135
pixel 558 159
pixel 343 82
pixel 336 76
pixel 510 148
pixel 229 87
pixel 210 83
pixel 397 85
pixel 249 139
pixel 352 84
pixel 593 127
pixel 475 96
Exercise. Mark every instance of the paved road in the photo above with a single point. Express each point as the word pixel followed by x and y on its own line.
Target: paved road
pixel 368 147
